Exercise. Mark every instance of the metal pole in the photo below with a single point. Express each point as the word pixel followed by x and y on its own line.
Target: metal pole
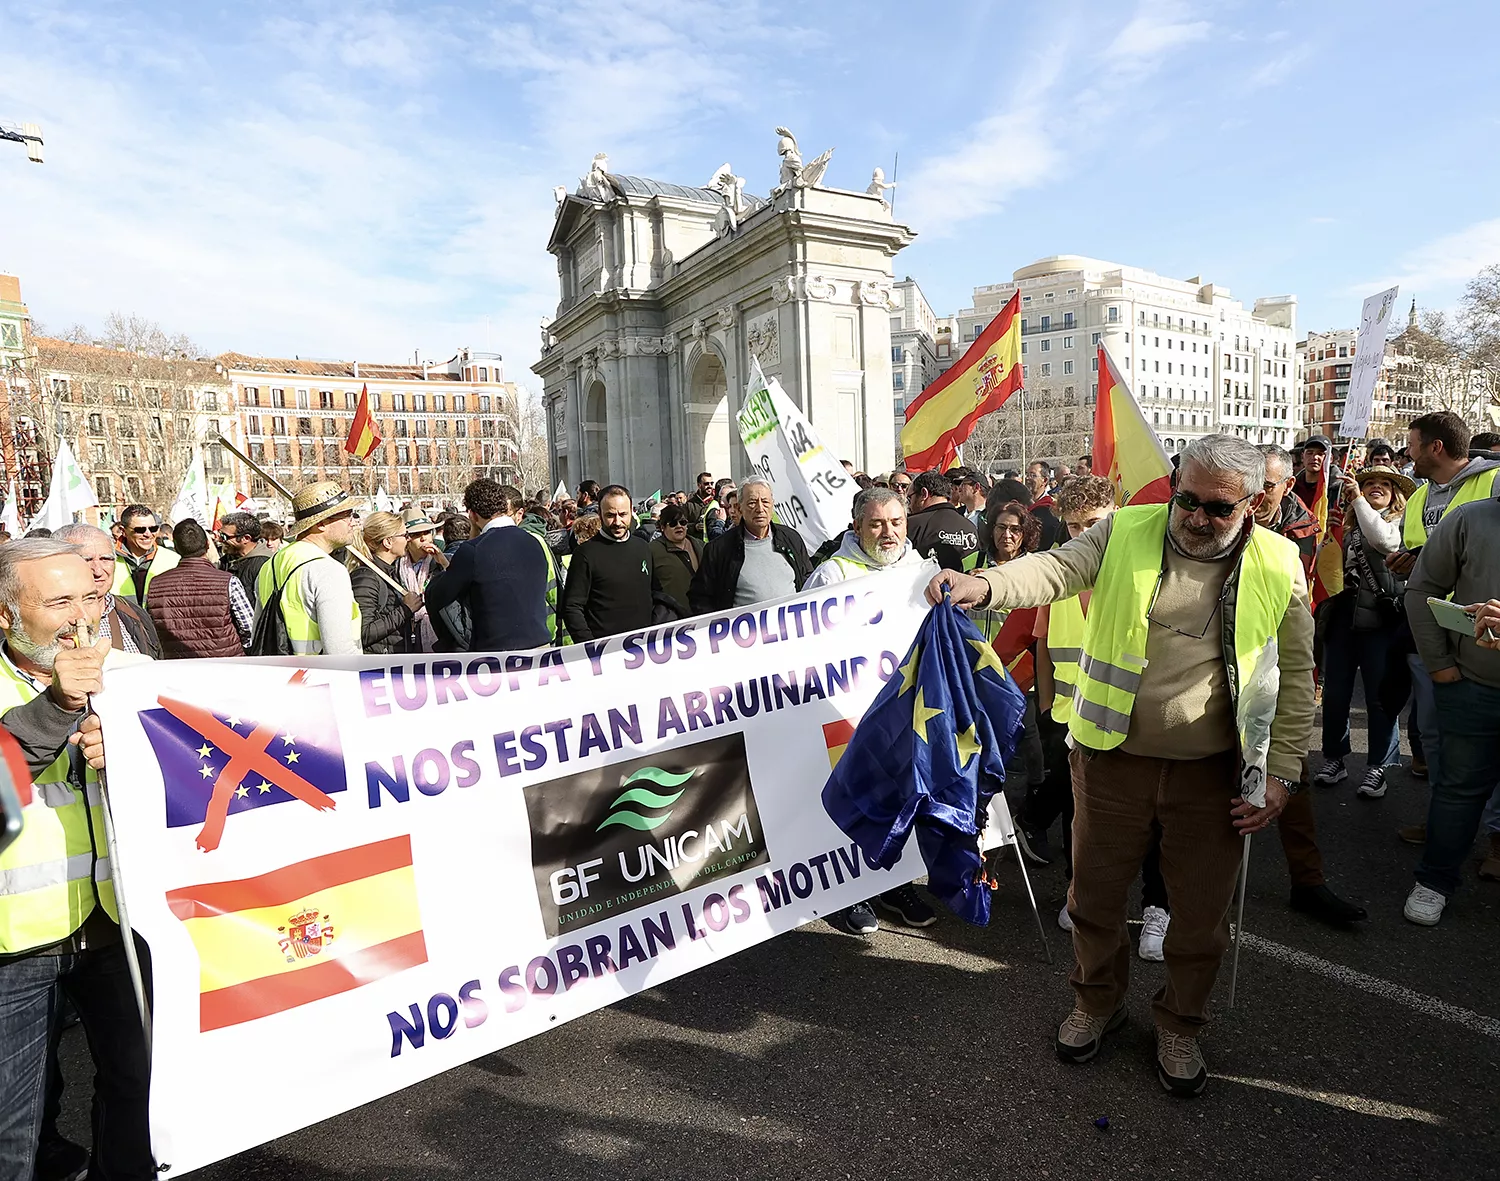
pixel 1239 922
pixel 280 487
pixel 132 962
pixel 895 168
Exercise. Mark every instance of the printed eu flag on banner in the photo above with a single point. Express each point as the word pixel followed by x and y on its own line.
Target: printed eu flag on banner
pixel 215 763
pixel 930 752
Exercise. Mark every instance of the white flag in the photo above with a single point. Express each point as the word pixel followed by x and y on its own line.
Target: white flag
pixel 10 515
pixel 814 494
pixel 70 492
pixel 383 501
pixel 561 493
pixel 193 499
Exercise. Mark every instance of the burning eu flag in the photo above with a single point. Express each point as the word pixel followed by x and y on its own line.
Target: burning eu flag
pixel 930 752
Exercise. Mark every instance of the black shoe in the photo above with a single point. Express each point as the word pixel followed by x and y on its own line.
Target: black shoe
pixel 1032 839
pixel 61 1160
pixel 858 919
pixel 1327 907
pixel 907 905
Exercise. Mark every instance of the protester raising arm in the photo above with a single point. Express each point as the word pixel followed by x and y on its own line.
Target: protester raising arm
pixel 1032 581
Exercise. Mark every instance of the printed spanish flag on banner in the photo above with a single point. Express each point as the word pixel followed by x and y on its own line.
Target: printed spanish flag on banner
pixel 1126 449
pixel 940 418
pixel 363 437
pixel 836 737
pixel 302 933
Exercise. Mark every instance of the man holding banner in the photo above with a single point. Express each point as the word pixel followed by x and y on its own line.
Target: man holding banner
pixel 1192 711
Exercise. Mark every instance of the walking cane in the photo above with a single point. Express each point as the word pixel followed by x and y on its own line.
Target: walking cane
pixel 282 488
pixel 1239 922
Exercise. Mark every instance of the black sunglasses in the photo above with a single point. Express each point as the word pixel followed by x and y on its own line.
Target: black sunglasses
pixel 143 528
pixel 1222 509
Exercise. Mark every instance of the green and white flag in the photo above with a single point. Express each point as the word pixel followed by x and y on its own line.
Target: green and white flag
pixel 193 500
pixel 383 501
pixel 814 494
pixel 70 492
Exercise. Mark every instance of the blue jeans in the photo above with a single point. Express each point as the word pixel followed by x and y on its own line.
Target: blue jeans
pixel 1347 652
pixel 1424 709
pixel 98 983
pixel 1470 740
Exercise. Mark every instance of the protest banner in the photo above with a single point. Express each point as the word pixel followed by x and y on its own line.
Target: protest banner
pixel 356 873
pixel 813 491
pixel 1369 352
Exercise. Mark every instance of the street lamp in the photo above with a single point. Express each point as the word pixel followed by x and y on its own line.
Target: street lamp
pixel 29 134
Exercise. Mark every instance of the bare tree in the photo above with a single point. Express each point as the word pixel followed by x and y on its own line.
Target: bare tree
pixel 532 460
pixel 1479 319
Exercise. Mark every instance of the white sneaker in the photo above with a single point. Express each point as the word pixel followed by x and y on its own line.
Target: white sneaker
pixel 1154 923
pixel 1373 785
pixel 1424 906
pixel 1064 920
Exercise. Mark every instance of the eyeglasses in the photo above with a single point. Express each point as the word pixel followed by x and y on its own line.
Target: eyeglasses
pixel 1018 530
pixel 1222 509
pixel 901 487
pixel 142 530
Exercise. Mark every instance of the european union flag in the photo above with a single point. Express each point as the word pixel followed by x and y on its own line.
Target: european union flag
pixel 930 752
pixel 215 763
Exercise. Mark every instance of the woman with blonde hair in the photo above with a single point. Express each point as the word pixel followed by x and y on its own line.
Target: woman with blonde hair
pixel 385 614
pixel 1363 625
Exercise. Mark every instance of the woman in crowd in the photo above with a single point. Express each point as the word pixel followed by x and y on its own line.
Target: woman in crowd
pixel 385 614
pixel 1364 624
pixel 675 557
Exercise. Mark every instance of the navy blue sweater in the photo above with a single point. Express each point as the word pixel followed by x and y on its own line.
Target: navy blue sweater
pixel 501 576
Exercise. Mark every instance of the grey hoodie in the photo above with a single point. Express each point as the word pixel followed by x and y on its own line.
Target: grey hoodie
pixel 1462 559
pixel 1440 495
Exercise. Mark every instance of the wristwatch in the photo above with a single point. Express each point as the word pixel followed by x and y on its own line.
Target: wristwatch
pixel 1291 787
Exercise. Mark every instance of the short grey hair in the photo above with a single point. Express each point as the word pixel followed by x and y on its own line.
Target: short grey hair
pixel 80 534
pixel 1228 453
pixel 757 482
pixel 1281 455
pixel 870 498
pixel 15 554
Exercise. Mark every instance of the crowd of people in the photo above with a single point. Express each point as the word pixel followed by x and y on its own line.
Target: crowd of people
pixel 1140 635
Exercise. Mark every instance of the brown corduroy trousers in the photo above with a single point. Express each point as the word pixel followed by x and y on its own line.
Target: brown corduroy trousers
pixel 1117 796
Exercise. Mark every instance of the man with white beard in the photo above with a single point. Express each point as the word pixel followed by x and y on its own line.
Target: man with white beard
pixel 877 542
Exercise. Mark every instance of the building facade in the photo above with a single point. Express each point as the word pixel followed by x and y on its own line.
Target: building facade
pixel 441 425
pixel 915 329
pixel 668 292
pixel 1197 360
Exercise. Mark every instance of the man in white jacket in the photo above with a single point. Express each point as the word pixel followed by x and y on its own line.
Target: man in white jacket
pixel 877 542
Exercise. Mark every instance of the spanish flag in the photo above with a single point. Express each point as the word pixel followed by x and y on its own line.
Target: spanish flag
pixel 1327 577
pixel 1126 449
pixel 940 418
pixel 836 736
pixel 363 437
pixel 299 934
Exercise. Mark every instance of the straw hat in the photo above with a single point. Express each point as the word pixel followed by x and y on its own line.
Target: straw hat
pixel 317 503
pixel 1385 472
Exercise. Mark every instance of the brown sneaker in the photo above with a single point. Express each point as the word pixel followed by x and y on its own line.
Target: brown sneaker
pixel 1489 868
pixel 1413 834
pixel 1419 768
pixel 1179 1063
pixel 1080 1035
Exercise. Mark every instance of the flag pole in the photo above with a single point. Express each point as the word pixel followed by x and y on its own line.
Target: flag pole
pixel 1239 922
pixel 282 488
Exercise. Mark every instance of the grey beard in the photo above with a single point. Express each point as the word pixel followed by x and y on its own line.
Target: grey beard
pixel 42 655
pixel 883 557
pixel 1188 544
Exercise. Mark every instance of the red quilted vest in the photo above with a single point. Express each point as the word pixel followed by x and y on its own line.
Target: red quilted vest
pixel 190 606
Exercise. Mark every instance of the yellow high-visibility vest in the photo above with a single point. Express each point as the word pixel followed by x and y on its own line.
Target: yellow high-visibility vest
pixel 124 584
pixel 1065 621
pixel 301 625
pixel 1414 533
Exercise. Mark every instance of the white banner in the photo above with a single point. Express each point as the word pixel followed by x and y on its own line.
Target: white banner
pixel 193 498
pixel 357 875
pixel 1369 352
pixel 814 494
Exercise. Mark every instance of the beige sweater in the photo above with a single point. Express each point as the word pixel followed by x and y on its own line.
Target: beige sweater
pixel 1182 710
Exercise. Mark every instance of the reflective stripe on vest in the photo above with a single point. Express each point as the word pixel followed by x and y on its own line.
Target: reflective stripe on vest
pixel 1065 646
pixel 1115 631
pixel 1414 532
pixel 124 584
pixel 301 625
pixel 55 873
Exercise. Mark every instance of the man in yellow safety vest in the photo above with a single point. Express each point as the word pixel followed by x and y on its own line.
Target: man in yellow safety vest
pixel 1194 690
pixel 59 925
pixel 309 587
pixel 140 557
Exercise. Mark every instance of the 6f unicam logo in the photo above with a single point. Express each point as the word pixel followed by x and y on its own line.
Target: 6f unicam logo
pixel 628 835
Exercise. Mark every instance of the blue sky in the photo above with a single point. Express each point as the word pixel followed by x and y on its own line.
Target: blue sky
pixel 340 179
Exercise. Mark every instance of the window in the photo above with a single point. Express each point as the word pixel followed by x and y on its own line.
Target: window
pixel 1046 368
pixel 1046 323
pixel 1025 373
pixel 898 381
pixel 331 455
pixel 484 373
pixel 351 400
pixel 398 403
pixel 278 425
pixel 304 426
pixel 1096 338
pixel 278 399
pixel 122 395
pixel 403 453
pixel 419 403
pixel 1069 320
pixel 898 354
pixel 101 455
pixel 1067 367
pixel 1112 316
pixel 1067 342
pixel 301 399
pixel 283 453
pixel 330 427
pixel 420 428
pixel 1046 346
pixel 424 456
pixel 374 402
pixel 484 403
pixel 96 424
pixel 401 427
pixel 210 399
pixel 440 403
pixel 103 490
pixel 1024 346
pixel 1049 295
pixel 461 428
pixel 1155 320
pixel 440 426
pixel 1093 364
pixel 252 424
pixel 458 404
pixel 325 399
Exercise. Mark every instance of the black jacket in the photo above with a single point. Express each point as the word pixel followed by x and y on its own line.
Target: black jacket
pixel 385 624
pixel 247 569
pixel 940 531
pixel 674 572
pixel 501 576
pixel 723 558
pixel 609 588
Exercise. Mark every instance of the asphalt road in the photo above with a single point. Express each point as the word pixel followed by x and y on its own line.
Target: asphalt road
pixel 928 1055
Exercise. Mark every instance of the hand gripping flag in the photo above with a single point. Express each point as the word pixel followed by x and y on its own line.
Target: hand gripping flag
pixel 930 752
pixel 363 437
pixel 940 418
pixel 1126 449
pixel 303 932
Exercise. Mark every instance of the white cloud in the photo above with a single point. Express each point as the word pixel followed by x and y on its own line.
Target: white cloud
pixel 1279 68
pixel 1154 32
pixel 1444 263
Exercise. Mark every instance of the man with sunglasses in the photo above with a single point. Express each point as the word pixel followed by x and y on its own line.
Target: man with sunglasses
pixel 141 559
pixel 1187 599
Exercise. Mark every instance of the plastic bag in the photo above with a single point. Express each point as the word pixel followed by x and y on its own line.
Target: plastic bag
pixel 1256 712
